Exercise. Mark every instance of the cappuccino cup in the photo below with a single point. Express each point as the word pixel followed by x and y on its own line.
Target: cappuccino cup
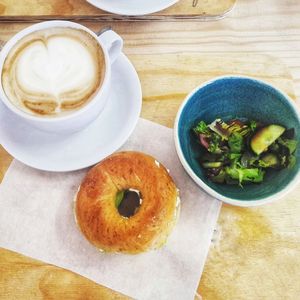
pixel 56 75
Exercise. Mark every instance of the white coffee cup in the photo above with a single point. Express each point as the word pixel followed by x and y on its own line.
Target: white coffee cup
pixel 111 44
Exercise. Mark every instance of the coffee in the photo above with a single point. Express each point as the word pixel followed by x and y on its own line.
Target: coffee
pixel 53 72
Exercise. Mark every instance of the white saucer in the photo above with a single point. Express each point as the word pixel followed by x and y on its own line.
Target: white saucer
pixel 132 7
pixel 51 152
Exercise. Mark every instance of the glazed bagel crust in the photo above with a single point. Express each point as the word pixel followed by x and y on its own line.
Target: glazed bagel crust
pixel 98 217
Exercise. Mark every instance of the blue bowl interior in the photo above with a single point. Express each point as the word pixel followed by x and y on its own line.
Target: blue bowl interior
pixel 235 97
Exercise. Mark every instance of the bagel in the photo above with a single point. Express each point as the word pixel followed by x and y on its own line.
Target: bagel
pixel 99 218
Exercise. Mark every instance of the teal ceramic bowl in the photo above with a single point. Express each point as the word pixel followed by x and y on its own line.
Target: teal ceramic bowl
pixel 231 97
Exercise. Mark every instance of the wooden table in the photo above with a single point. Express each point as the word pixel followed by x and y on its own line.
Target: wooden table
pixel 265 262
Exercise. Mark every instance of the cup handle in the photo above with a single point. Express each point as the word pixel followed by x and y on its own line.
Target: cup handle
pixel 112 42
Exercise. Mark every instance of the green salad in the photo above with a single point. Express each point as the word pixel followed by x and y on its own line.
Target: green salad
pixel 242 151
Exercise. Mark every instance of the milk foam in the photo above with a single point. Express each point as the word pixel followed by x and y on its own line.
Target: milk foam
pixel 60 66
pixel 55 67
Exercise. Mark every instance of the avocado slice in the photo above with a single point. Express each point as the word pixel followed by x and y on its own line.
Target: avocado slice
pixel 270 160
pixel 264 137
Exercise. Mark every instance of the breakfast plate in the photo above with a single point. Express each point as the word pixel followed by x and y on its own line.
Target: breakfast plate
pixel 132 7
pixel 52 152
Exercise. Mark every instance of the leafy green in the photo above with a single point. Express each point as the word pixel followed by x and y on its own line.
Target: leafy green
pixel 221 128
pixel 237 172
pixel 220 178
pixel 290 144
pixel 244 174
pixel 263 164
pixel 214 144
pixel 274 147
pixel 201 128
pixel 239 127
pixel 269 160
pixel 225 130
pixel 234 156
pixel 119 198
pixel 228 157
pixel 253 125
pixel 235 142
pixel 283 161
pixel 292 161
pixel 248 159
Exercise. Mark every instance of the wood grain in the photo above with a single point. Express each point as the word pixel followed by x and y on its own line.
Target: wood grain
pixel 5 160
pixel 167 78
pixel 24 278
pixel 24 10
pixel 256 253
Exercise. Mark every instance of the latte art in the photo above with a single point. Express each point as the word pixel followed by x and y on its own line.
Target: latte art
pixel 54 71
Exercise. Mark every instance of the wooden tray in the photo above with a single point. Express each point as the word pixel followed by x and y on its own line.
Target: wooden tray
pixel 36 10
pixel 247 237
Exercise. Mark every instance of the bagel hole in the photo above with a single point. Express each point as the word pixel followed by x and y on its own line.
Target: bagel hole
pixel 128 202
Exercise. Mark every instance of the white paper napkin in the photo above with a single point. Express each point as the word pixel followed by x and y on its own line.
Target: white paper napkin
pixel 36 219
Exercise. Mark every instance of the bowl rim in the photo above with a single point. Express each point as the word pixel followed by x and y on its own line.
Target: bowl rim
pixel 233 201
